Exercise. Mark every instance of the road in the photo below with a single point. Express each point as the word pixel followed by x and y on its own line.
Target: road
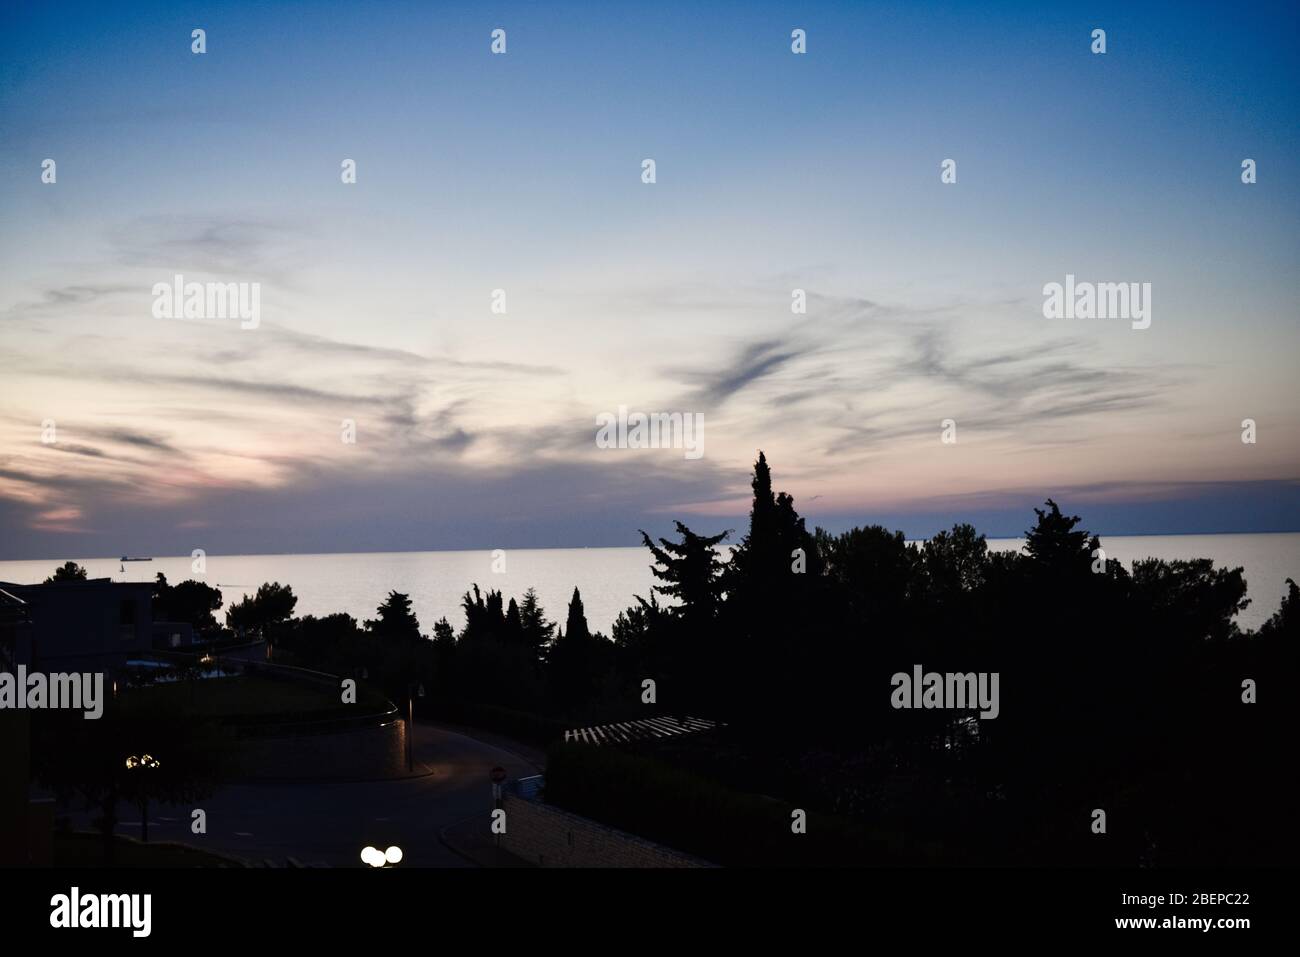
pixel 329 823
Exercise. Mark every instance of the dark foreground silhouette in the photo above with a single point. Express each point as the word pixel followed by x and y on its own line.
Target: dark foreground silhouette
pixel 1135 724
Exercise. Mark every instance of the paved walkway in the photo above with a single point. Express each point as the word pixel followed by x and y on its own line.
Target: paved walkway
pixel 329 823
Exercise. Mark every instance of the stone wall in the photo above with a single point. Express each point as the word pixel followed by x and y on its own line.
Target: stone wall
pixel 550 837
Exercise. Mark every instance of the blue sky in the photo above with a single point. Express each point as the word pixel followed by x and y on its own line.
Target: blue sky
pixel 522 172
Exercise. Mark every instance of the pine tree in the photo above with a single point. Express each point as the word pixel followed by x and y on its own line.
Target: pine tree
pixel 1055 546
pixel 514 627
pixel 272 606
pixel 575 627
pixel 537 631
pixel 396 619
pixel 772 586
pixel 765 557
pixel 577 661
pixel 484 615
pixel 691 569
pixel 443 634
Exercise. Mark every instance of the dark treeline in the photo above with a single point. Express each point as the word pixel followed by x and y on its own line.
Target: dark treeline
pixel 1120 690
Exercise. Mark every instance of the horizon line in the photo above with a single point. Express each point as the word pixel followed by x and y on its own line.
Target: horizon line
pixel 572 548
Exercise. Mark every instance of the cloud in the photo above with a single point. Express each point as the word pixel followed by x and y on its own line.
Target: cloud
pixel 153 441
pixel 754 361
pixel 199 426
pixel 273 337
pixel 427 505
pixel 62 299
pixel 73 449
pixel 214 243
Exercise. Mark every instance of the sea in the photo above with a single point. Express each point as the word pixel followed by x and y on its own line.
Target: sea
pixel 609 579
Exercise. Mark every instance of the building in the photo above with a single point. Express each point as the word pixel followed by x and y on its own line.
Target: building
pixel 90 625
pixel 25 824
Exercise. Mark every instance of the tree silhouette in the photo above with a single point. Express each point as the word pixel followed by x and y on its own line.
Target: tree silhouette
pixel 396 621
pixel 765 557
pixel 576 662
pixel 190 601
pixel 691 571
pixel 1189 600
pixel 484 616
pixel 1286 620
pixel 272 605
pixel 575 626
pixel 687 650
pixel 67 572
pixel 537 631
pixel 443 633
pixel 1055 546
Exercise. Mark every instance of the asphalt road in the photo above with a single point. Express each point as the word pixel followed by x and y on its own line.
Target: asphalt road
pixel 329 823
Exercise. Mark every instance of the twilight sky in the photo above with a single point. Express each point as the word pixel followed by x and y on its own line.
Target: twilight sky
pixel 523 172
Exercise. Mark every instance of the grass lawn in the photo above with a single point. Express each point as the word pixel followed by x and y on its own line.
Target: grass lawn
pixel 256 697
pixel 82 849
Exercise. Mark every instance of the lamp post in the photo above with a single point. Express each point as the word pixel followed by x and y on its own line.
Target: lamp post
pixel 412 692
pixel 150 762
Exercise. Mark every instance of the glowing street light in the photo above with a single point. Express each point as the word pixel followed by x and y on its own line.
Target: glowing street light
pixel 143 761
pixel 377 858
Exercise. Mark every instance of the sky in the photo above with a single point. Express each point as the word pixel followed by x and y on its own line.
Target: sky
pixel 522 172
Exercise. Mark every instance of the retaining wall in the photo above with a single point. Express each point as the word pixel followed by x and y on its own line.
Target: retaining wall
pixel 550 837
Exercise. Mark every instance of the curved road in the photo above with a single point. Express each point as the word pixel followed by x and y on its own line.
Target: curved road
pixel 329 823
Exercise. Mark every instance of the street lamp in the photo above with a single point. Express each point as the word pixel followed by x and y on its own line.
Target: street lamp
pixel 412 693
pixel 377 858
pixel 152 763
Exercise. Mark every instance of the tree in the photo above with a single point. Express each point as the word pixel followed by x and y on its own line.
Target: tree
pixel 576 624
pixel 514 627
pixel 484 616
pixel 1190 600
pixel 272 605
pixel 190 601
pixel 577 661
pixel 764 559
pixel 67 572
pixel 954 562
pixel 334 643
pixel 1055 546
pixel 877 574
pixel 634 632
pixel 396 621
pixel 90 758
pixel 443 633
pixel 691 570
pixel 537 631
pixel 1286 620
pixel 492 659
pixel 686 652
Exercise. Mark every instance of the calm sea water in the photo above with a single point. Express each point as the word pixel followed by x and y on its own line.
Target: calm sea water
pixel 607 577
